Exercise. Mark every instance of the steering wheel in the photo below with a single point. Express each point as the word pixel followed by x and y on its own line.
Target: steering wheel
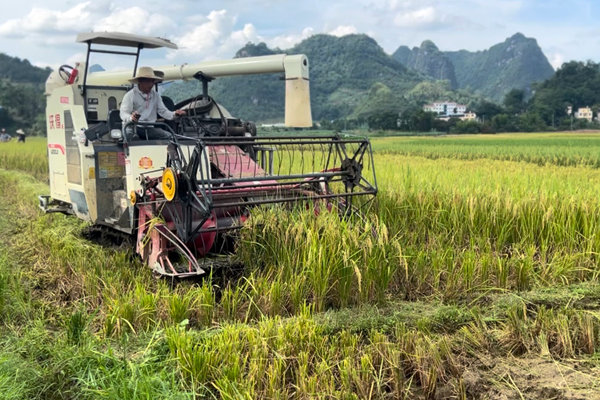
pixel 198 105
pixel 67 73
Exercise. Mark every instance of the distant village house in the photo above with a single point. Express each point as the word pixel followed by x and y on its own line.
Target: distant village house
pixel 584 113
pixel 470 116
pixel 447 109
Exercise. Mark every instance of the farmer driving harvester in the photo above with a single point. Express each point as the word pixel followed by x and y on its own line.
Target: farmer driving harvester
pixel 142 103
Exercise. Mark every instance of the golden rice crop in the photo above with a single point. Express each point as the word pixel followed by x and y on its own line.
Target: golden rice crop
pixel 465 254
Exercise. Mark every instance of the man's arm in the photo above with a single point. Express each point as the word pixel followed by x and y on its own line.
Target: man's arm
pixel 127 107
pixel 164 111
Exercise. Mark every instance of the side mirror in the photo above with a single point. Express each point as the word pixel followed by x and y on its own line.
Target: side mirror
pixel 96 131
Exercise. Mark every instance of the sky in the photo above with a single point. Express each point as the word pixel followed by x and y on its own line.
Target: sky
pixel 44 31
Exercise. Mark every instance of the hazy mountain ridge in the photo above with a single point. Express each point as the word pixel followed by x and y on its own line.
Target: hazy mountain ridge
pixel 429 60
pixel 514 64
pixel 351 76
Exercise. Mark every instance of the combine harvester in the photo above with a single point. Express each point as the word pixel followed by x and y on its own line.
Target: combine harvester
pixel 179 198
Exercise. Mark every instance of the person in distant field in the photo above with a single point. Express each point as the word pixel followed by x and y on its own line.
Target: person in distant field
pixel 4 137
pixel 21 136
pixel 142 103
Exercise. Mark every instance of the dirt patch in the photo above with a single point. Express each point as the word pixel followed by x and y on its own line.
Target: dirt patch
pixel 534 378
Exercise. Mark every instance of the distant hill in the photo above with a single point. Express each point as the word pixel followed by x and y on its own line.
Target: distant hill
pixel 21 71
pixel 514 64
pixel 429 60
pixel 95 68
pixel 21 95
pixel 350 76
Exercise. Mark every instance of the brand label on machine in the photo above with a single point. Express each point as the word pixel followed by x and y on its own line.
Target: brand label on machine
pixel 56 148
pixel 145 163
pixel 54 121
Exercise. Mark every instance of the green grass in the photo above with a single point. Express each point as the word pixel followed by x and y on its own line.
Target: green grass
pixel 474 257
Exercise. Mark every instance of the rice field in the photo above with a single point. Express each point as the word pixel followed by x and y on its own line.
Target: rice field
pixel 481 281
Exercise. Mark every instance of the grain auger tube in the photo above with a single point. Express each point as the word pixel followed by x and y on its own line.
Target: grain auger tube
pixel 180 197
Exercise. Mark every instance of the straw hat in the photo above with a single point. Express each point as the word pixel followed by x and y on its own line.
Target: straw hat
pixel 145 72
pixel 20 131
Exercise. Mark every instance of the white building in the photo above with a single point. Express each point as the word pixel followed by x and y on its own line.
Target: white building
pixel 470 116
pixel 279 125
pixel 584 113
pixel 446 108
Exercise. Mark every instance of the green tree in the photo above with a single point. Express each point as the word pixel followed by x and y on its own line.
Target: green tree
pixel 575 84
pixel 384 121
pixel 503 123
pixel 22 103
pixel 422 121
pixel 487 110
pixel 514 102
pixel 467 127
pixel 531 122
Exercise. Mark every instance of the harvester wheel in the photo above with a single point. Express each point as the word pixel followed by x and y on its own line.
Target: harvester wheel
pixel 169 184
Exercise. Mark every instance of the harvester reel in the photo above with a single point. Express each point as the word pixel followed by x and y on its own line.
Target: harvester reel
pixel 354 170
pixel 204 195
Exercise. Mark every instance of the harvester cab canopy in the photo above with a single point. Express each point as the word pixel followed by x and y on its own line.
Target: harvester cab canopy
pixel 119 39
pixel 110 40
pixel 124 40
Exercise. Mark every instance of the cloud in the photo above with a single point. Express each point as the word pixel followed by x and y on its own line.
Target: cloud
pixel 343 30
pixel 215 37
pixel 287 41
pixel 50 26
pixel 135 20
pixel 428 17
pixel 43 21
pixel 507 7
pixel 46 32
pixel 75 58
pixel 422 17
pixel 557 60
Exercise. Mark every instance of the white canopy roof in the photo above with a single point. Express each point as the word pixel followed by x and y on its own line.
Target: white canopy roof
pixel 124 39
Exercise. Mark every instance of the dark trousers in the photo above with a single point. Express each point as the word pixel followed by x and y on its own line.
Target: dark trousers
pixel 147 133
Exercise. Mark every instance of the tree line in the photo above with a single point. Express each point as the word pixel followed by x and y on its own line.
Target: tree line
pixel 22 105
pixel 575 85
